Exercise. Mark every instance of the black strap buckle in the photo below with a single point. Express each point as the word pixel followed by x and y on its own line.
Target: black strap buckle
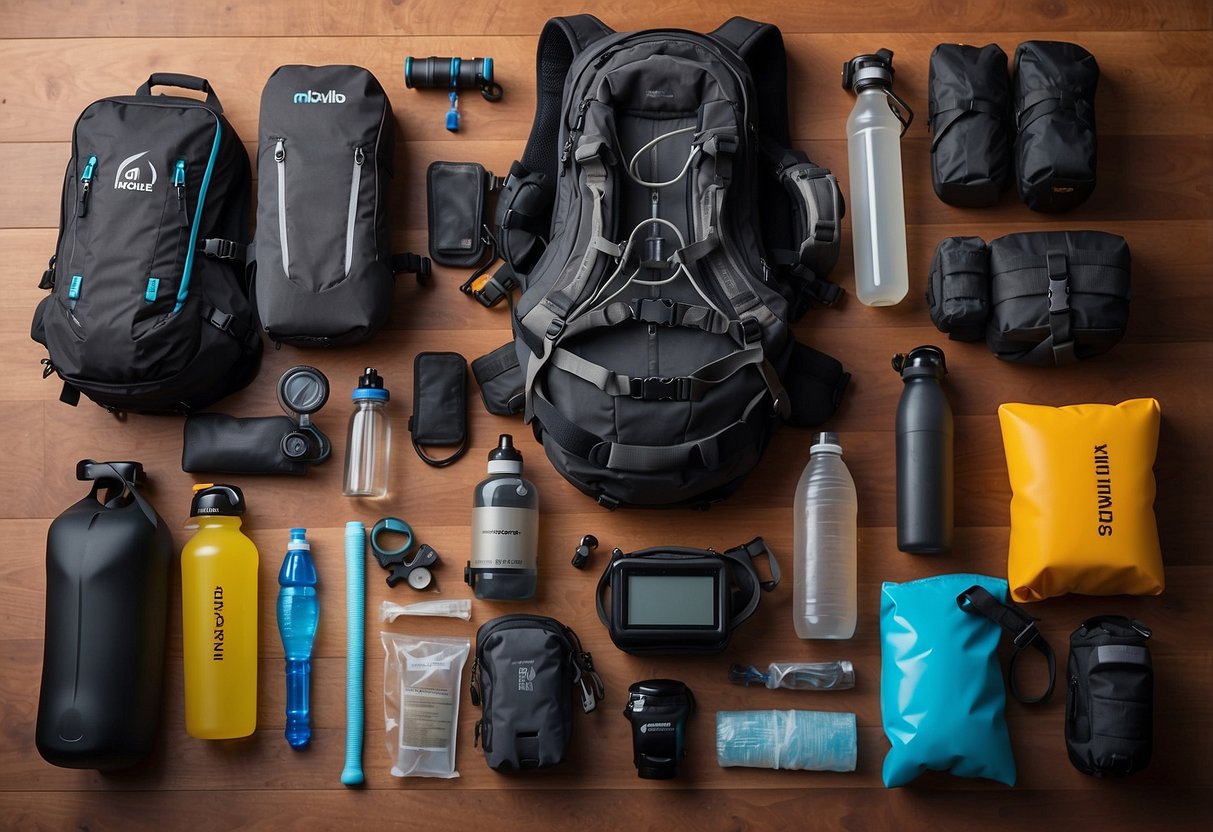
pixel 751 330
pixel 1027 635
pixel 658 311
pixel 222 249
pixel 1059 282
pixel 554 329
pixel 659 388
pixel 220 320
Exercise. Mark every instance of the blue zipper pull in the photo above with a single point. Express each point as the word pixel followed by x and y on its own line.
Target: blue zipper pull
pixel 86 184
pixel 179 184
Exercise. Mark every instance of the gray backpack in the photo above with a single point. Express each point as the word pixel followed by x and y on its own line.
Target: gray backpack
pixel 652 333
pixel 324 272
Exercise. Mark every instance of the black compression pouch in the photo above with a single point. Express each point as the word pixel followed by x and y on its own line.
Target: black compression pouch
pixel 1110 702
pixel 958 289
pixel 529 669
pixel 969 110
pixel 1055 141
pixel 815 383
pixel 215 443
pixel 502 385
pixel 440 382
pixel 457 196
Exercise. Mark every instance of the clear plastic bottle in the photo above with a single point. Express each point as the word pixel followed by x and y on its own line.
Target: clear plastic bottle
pixel 824 545
pixel 505 529
pixel 369 442
pixel 219 618
pixel 878 214
pixel 298 615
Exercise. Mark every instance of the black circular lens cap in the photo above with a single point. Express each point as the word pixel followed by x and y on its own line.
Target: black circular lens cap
pixel 303 389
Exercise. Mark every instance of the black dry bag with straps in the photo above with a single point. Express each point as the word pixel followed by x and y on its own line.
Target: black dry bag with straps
pixel 107 571
pixel 148 309
pixel 1110 704
pixel 679 238
pixel 528 670
pixel 970 105
pixel 324 272
pixel 1055 140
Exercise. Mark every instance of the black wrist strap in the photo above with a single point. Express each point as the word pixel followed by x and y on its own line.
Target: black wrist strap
pixel 1021 626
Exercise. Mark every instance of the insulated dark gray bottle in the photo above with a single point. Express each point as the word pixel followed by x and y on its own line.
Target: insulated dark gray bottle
pixel 505 529
pixel 107 569
pixel 925 492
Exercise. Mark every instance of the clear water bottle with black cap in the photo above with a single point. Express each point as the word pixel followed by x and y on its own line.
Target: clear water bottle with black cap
pixel 505 529
pixel 824 542
pixel 924 454
pixel 878 214
pixel 369 443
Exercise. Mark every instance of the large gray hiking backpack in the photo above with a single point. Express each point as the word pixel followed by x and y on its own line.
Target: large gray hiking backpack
pixel 664 236
pixel 324 274
pixel 148 309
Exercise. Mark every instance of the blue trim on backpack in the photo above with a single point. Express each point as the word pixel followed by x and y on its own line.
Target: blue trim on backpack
pixel 183 292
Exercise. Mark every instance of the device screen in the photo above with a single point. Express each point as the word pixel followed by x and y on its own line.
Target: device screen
pixel 671 600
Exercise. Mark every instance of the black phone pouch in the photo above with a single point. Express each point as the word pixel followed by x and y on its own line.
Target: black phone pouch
pixel 439 405
pixel 502 385
pixel 457 197
pixel 1110 704
pixel 215 443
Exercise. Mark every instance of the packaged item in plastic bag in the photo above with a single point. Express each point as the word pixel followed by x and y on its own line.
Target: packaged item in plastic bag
pixel 421 682
pixel 798 740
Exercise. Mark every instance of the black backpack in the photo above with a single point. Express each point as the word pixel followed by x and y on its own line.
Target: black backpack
pixel 682 237
pixel 324 274
pixel 148 309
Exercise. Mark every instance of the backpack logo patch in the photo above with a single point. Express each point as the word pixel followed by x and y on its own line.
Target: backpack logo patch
pixel 130 174
pixel 313 97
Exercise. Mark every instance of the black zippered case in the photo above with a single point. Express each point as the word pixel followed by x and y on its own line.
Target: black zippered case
pixel 147 308
pixel 1110 704
pixel 526 667
pixel 324 273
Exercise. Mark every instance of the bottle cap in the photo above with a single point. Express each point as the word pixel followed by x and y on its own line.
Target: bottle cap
pixel 224 500
pixel 370 386
pixel 927 360
pixel 298 540
pixel 298 568
pixel 865 71
pixel 826 441
pixel 505 450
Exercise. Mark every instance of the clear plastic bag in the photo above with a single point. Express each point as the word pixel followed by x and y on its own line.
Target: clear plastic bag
pixel 421 684
pixel 389 611
pixel 798 740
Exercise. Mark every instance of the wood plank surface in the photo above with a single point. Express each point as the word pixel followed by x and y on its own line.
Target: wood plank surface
pixel 1155 116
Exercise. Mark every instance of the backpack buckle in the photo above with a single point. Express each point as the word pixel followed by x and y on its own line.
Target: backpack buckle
pixel 220 320
pixel 222 249
pixel 658 311
pixel 659 388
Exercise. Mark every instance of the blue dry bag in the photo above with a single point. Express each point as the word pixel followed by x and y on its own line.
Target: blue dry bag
pixel 942 698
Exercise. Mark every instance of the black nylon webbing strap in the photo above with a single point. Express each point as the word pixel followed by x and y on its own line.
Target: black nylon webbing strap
pixel 409 262
pixel 950 111
pixel 979 601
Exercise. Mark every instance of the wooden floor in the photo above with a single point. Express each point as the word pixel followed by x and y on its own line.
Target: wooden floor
pixel 1155 110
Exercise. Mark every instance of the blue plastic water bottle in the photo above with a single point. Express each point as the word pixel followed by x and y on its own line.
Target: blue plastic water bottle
pixel 298 614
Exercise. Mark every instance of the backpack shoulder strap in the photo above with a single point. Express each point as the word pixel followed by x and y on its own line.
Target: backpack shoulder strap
pixel 760 45
pixel 560 42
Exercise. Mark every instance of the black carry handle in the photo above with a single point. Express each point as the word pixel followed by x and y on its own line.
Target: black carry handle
pixel 126 474
pixel 977 600
pixel 185 82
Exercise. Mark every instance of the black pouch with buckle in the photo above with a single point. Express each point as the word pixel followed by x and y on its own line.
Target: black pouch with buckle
pixel 457 196
pixel 970 105
pixel 1110 704
pixel 528 670
pixel 1055 140
pixel 440 410
pixel 1057 296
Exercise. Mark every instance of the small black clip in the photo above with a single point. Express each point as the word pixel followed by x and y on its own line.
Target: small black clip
pixel 582 556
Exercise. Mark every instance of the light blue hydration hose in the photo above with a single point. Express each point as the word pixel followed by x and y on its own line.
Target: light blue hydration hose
pixel 355 602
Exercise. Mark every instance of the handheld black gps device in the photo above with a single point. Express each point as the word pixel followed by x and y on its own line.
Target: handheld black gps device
pixel 679 600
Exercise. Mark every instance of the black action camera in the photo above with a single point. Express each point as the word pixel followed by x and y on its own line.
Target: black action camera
pixel 679 600
pixel 658 710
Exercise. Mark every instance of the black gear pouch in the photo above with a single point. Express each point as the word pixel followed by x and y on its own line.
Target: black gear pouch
pixel 502 384
pixel 215 443
pixel 815 383
pixel 958 289
pixel 526 671
pixel 1055 142
pixel 440 412
pixel 457 196
pixel 970 103
pixel 1110 704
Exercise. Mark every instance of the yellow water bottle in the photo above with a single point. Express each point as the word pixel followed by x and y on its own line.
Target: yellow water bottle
pixel 219 618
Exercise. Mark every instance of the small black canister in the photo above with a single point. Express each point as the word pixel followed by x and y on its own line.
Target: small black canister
pixel 925 489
